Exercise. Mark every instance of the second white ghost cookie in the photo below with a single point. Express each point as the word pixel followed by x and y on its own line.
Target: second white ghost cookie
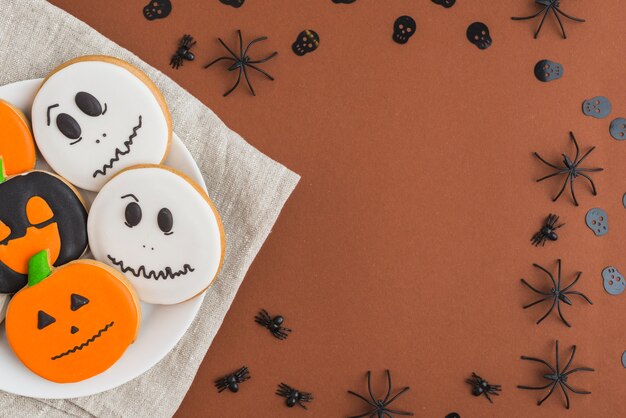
pixel 161 230
pixel 94 116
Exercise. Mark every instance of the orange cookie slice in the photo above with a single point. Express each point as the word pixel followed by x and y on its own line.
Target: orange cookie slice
pixel 17 146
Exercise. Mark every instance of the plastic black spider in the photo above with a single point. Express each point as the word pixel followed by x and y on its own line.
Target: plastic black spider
pixel 547 231
pixel 294 396
pixel 558 376
pixel 183 52
pixel 232 381
pixel 241 61
pixel 275 324
pixel 481 387
pixel 571 169
pixel 380 406
pixel 549 5
pixel 556 294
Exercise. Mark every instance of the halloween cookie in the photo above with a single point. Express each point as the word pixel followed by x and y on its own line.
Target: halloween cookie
pixel 161 230
pixel 96 115
pixel 38 210
pixel 73 322
pixel 17 146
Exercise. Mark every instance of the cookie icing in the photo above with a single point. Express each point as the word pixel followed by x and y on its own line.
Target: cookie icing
pixel 17 146
pixel 38 210
pixel 161 230
pixel 73 322
pixel 95 116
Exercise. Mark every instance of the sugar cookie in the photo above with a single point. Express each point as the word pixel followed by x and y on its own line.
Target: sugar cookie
pixel 73 322
pixel 96 115
pixel 17 146
pixel 161 230
pixel 38 210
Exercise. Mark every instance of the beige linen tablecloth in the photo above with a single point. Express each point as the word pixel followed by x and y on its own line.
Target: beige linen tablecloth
pixel 248 188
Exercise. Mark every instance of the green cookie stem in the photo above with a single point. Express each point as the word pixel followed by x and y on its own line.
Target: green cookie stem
pixel 38 267
pixel 2 175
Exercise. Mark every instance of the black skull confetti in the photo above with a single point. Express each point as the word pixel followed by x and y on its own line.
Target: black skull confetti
pixel 403 28
pixel 235 3
pixel 233 380
pixel 307 41
pixel 546 70
pixel 157 9
pixel 273 324
pixel 380 406
pixel 480 387
pixel 293 396
pixel 571 170
pixel 445 3
pixel 553 6
pixel 183 53
pixel 478 34
pixel 242 62
pixel 556 294
pixel 558 376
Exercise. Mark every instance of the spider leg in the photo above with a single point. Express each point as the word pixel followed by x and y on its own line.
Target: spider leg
pixel 400 412
pixel 369 386
pixel 545 162
pixel 571 358
pixel 562 188
pixel 558 19
pixel 576 19
pixel 236 84
pixel 387 402
pixel 573 138
pixel 252 42
pixel 579 369
pixel 545 14
pixel 264 59
pixel 548 395
pixel 534 387
pixel 359 396
pixel 245 73
pixel 593 186
pixel 562 171
pixel 217 60
pixel 558 308
pixel 547 272
pixel 539 361
pixel 571 186
pixel 228 49
pixel 261 71
pixel 537 239
pixel 535 302
pixel 549 311
pixel 564 393
pixel 487 396
pixel 579 392
pixel 388 387
pixel 531 16
pixel 577 162
pixel 574 282
pixel 535 290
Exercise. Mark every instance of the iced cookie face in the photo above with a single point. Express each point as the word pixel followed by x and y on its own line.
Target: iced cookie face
pixel 38 210
pixel 73 322
pixel 161 230
pixel 94 116
pixel 17 146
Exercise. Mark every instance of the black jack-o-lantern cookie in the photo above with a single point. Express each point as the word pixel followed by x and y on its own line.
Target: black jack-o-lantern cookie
pixel 94 116
pixel 38 210
pixel 161 230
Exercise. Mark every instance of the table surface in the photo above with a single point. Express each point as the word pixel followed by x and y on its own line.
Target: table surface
pixel 404 244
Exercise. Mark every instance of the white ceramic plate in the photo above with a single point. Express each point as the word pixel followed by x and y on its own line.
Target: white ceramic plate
pixel 161 327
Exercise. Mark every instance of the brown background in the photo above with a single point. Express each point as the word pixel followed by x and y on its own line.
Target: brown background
pixel 404 243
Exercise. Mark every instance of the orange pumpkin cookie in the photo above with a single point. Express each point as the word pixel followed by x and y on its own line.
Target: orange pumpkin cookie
pixel 38 211
pixel 74 322
pixel 17 146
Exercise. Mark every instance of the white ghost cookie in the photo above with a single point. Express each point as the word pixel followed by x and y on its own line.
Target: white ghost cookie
pixel 94 116
pixel 161 230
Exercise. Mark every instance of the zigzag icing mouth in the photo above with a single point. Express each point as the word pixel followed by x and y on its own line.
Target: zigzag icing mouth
pixel 85 344
pixel 166 273
pixel 118 152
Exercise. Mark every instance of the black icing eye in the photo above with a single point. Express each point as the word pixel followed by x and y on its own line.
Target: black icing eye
pixel 68 126
pixel 165 220
pixel 77 301
pixel 43 320
pixel 132 214
pixel 89 105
